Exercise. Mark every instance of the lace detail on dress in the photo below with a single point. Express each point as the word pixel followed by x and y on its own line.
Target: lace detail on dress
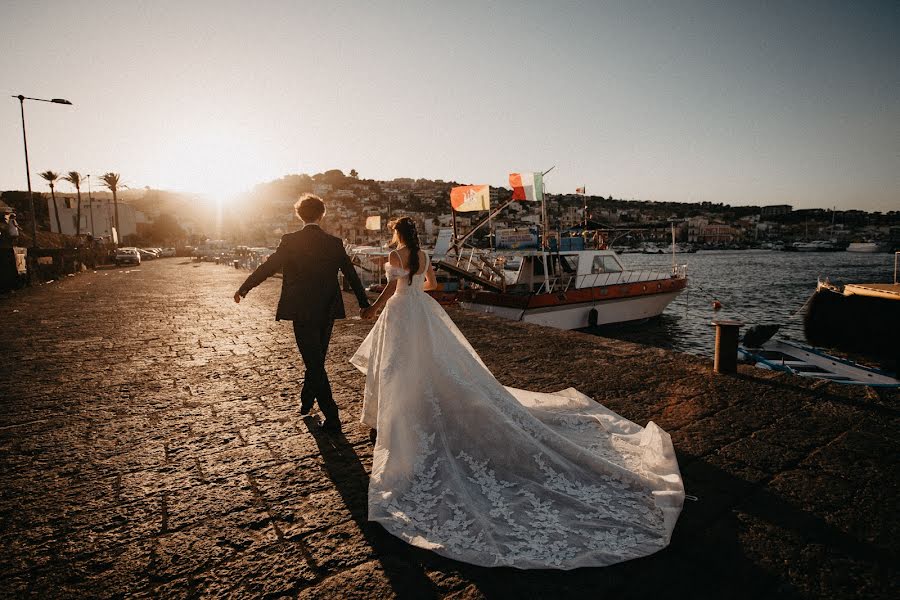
pixel 536 532
pixel 417 508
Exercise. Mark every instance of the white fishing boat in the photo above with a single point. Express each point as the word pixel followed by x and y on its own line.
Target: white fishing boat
pixel 566 289
pixel 558 284
pixel 806 361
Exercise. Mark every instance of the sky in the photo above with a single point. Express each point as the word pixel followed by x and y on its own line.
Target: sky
pixel 738 102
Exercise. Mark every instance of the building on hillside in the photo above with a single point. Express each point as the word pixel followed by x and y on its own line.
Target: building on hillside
pixel 775 210
pixel 717 234
pixel 571 216
pixel 695 227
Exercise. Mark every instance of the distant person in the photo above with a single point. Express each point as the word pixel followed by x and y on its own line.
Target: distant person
pixel 12 228
pixel 310 297
pixel 493 475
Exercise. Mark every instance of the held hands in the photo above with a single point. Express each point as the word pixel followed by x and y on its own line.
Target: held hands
pixel 368 313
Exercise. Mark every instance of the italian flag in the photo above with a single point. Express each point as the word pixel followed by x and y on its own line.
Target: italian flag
pixel 527 186
pixel 468 198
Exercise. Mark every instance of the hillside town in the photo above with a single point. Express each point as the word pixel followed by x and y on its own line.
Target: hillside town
pixel 259 217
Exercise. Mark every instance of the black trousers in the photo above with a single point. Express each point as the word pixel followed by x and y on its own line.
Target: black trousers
pixel 312 341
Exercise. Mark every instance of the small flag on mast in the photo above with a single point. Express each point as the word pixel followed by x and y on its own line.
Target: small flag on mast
pixel 373 223
pixel 579 190
pixel 527 186
pixel 468 198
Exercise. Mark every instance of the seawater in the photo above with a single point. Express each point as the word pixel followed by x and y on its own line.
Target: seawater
pixel 753 286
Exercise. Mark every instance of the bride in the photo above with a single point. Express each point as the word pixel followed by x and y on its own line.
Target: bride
pixel 493 475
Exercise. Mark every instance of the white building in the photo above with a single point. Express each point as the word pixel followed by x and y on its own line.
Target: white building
pixel 97 217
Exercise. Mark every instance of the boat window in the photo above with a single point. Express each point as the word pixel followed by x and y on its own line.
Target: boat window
pixel 605 264
pixel 569 263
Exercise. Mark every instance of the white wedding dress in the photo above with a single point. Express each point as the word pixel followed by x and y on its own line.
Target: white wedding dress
pixel 497 476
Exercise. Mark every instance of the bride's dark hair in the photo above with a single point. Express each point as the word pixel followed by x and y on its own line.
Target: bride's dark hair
pixel 405 233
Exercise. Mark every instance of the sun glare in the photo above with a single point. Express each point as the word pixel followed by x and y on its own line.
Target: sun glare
pixel 218 165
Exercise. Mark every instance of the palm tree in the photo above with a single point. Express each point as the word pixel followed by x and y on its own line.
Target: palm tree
pixel 51 178
pixel 75 178
pixel 111 181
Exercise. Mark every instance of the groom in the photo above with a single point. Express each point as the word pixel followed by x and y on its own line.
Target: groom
pixel 311 298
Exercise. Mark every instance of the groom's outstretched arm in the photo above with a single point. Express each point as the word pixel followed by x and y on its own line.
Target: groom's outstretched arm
pixel 351 275
pixel 272 265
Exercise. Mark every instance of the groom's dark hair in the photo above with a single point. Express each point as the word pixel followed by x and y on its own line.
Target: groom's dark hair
pixel 309 208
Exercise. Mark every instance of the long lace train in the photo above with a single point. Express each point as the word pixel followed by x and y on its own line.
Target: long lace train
pixel 493 475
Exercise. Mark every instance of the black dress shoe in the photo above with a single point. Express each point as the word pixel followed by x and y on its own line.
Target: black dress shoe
pixel 304 410
pixel 331 426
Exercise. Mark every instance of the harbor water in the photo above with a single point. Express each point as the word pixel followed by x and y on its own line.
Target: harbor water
pixel 753 286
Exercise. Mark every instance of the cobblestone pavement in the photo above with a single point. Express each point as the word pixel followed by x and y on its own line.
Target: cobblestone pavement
pixel 151 447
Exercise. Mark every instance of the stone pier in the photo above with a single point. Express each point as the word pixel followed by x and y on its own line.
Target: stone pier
pixel 151 446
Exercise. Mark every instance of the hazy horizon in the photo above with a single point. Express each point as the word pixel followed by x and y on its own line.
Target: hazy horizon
pixel 673 102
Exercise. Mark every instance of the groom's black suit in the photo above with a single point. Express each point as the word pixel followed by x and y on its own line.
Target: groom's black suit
pixel 311 298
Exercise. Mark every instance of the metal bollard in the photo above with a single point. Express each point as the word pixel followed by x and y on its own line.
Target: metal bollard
pixel 726 346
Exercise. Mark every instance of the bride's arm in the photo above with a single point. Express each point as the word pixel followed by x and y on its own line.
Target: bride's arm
pixel 430 279
pixel 386 293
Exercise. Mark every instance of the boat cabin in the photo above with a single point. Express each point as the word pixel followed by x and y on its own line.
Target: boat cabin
pixel 558 271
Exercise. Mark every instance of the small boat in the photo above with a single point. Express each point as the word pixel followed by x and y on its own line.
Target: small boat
pixel 651 248
pixel 817 246
pixel 806 361
pixel 867 247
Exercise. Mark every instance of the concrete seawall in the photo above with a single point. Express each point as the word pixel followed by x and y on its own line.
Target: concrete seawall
pixel 152 446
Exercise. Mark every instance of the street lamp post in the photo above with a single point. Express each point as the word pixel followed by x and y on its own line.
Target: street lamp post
pixel 91 205
pixel 22 100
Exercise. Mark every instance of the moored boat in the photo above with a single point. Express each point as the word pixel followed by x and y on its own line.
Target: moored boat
pixel 856 317
pixel 806 361
pixel 867 247
pixel 817 246
pixel 567 289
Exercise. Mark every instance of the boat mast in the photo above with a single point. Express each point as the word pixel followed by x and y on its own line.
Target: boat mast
pixel 457 245
pixel 832 222
pixel 673 246
pixel 545 243
pixel 544 224
pixel 584 193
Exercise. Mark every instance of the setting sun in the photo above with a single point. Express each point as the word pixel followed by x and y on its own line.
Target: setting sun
pixel 218 163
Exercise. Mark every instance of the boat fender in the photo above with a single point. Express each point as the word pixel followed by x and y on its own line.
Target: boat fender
pixel 592 317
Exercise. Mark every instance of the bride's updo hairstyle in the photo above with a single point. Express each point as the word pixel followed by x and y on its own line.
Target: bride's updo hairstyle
pixel 405 233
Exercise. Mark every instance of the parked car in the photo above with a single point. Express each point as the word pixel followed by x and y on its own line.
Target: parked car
pixel 127 256
pixel 167 252
pixel 147 254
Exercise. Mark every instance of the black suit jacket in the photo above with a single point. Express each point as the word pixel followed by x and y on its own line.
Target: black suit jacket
pixel 310 260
